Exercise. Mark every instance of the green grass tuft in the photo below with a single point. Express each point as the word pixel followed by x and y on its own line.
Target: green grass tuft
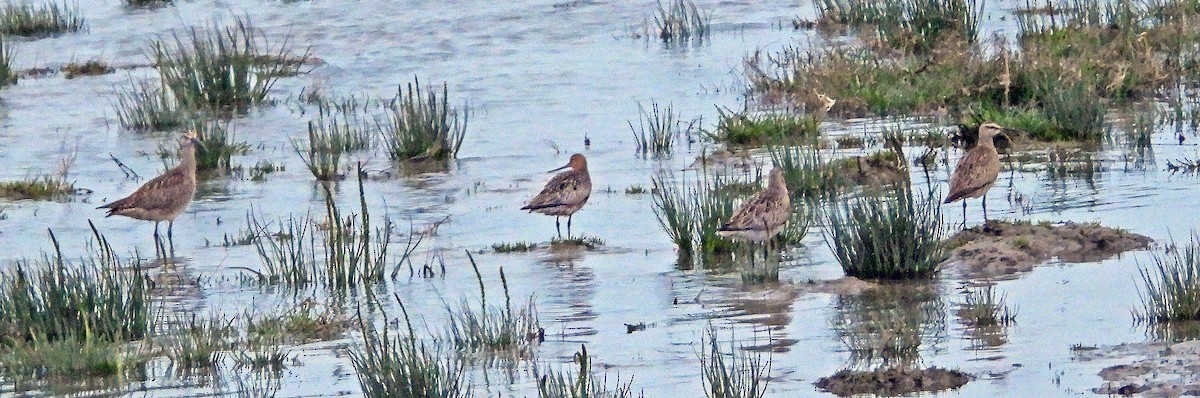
pixel 90 68
pixel 494 330
pixel 222 69
pixel 514 247
pixel 983 308
pixel 8 75
pixel 681 21
pixel 742 375
pixel 37 21
pixel 392 365
pixel 1171 288
pixel 582 384
pixel 657 131
pixel 46 187
pixel 740 128
pixel 887 237
pixel 421 126
pixel 145 107
pixel 911 25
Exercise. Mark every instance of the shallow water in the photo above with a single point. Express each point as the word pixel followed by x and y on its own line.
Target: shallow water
pixel 540 77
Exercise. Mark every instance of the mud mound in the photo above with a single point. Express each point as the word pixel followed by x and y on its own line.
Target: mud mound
pixel 891 382
pixel 1168 370
pixel 1000 247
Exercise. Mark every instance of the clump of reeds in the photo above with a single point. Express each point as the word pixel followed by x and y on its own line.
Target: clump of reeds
pixel 582 384
pixel 896 236
pixel 691 215
pixel 914 25
pixel 395 365
pixel 93 67
pixel 809 178
pixel 8 75
pixel 321 154
pixel 343 252
pixel 680 21
pixel 983 308
pixel 198 343
pixel 494 330
pixel 742 375
pixel 145 107
pixel 303 323
pixel 262 353
pixel 45 187
pixel 422 126
pixel 657 130
pixel 148 3
pixel 513 247
pixel 741 128
pixel 100 298
pixel 48 19
pixel 1171 288
pixel 218 147
pixel 69 359
pixel 222 69
pixel 338 128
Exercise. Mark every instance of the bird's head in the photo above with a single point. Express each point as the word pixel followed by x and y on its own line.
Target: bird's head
pixel 190 139
pixel 577 162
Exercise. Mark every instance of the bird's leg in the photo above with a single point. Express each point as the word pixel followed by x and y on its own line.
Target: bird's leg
pixel 964 224
pixel 171 236
pixel 556 227
pixel 569 225
pixel 985 219
pixel 158 245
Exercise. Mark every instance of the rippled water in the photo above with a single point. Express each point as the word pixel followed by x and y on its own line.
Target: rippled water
pixel 540 77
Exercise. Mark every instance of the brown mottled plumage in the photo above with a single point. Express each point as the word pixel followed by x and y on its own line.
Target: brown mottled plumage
pixel 977 170
pixel 166 196
pixel 761 217
pixel 565 194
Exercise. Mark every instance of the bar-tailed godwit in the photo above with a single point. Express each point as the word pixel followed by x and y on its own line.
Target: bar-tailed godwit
pixel 565 194
pixel 166 196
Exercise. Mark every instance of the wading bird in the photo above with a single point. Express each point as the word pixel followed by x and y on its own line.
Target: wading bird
pixel 565 194
pixel 761 217
pixel 166 196
pixel 977 170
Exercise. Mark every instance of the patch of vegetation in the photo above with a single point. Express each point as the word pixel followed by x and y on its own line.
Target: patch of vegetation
pixel 145 107
pixel 983 308
pixel 582 384
pixel 691 213
pixel 741 128
pixel 218 147
pixel 8 75
pixel 761 274
pixel 657 131
pixel 910 25
pixel 892 381
pixel 46 187
pixel 90 68
pixel 148 3
pixel 514 247
pixel 197 343
pixel 259 171
pixel 306 322
pixel 742 375
pixel 494 330
pixel 324 152
pixel 222 69
pixel 421 126
pixel 66 360
pixel 1171 288
pixel 680 21
pixel 635 190
pixel 391 364
pixel 37 21
pixel 343 252
pixel 52 300
pixel 588 242
pixel 885 326
pixel 808 177
pixel 897 236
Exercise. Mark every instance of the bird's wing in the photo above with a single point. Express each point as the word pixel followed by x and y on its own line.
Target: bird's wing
pixel 760 213
pixel 973 171
pixel 160 192
pixel 563 190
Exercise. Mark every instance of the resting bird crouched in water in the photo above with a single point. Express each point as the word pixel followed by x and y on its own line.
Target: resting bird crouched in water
pixel 761 217
pixel 977 170
pixel 166 196
pixel 565 194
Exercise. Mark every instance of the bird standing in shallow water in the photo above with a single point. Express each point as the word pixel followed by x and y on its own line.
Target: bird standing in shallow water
pixel 166 196
pixel 977 170
pixel 565 194
pixel 761 217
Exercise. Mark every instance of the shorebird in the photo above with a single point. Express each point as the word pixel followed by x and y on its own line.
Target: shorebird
pixel 761 217
pixel 977 170
pixel 166 196
pixel 565 194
